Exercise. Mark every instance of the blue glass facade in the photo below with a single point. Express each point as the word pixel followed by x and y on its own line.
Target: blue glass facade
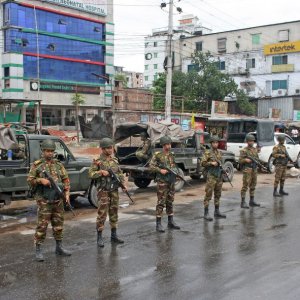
pixel 63 46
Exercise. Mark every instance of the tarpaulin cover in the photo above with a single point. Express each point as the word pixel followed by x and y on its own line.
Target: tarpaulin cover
pixel 154 130
pixel 8 139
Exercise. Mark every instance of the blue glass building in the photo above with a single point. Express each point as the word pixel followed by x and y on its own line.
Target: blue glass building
pixel 56 46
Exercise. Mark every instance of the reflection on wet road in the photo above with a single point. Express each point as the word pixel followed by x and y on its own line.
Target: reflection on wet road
pixel 253 254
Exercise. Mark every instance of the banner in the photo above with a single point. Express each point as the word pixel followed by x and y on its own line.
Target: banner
pixel 279 48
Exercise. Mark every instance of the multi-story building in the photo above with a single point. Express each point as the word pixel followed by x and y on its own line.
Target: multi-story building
pixel 156 47
pixel 133 79
pixel 52 49
pixel 264 61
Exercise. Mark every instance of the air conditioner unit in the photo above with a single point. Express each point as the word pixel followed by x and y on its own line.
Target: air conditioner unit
pixel 279 92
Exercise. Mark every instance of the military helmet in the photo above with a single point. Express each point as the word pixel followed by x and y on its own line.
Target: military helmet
pixel 281 138
pixel 106 143
pixel 214 138
pixel 250 137
pixel 165 140
pixel 48 145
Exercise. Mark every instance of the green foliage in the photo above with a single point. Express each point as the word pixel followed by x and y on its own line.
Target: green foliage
pixel 122 78
pixel 77 99
pixel 199 87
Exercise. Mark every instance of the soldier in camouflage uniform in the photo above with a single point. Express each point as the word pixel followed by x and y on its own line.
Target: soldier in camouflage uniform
pixel 165 183
pixel 212 161
pixel 50 207
pixel 107 186
pixel 249 168
pixel 143 154
pixel 281 161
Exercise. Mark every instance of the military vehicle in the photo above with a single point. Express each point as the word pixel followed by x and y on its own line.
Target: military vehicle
pixel 188 147
pixel 15 165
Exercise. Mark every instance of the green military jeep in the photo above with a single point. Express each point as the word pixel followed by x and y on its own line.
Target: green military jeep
pixel 14 169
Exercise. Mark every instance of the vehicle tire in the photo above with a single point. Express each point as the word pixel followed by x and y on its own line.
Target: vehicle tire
pixel 297 164
pixel 142 182
pixel 271 167
pixel 229 169
pixel 93 198
pixel 179 183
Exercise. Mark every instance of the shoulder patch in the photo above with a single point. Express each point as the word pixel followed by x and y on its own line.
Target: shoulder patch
pixel 37 162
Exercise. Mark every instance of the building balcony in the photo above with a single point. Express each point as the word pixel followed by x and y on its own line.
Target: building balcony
pixel 282 68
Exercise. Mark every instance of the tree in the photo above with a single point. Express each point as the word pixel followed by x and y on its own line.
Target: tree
pixel 200 86
pixel 122 78
pixel 77 100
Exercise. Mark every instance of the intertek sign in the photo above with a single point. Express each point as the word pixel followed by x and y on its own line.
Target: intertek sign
pixel 279 48
pixel 97 7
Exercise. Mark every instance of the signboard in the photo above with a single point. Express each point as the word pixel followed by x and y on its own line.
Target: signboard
pixel 219 107
pixel 97 7
pixel 64 88
pixel 279 48
pixel 274 113
pixel 296 116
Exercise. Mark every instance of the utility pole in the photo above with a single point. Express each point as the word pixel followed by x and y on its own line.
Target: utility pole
pixel 169 65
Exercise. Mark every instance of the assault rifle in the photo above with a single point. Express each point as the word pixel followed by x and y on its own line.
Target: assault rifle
pixel 58 190
pixel 257 163
pixel 116 177
pixel 175 174
pixel 222 170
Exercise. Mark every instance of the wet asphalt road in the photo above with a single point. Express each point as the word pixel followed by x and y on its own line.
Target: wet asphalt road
pixel 253 254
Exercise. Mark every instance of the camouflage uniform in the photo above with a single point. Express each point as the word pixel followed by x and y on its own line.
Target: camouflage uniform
pixel 249 170
pixel 214 176
pixel 108 195
pixel 165 183
pixel 50 208
pixel 280 164
pixel 143 154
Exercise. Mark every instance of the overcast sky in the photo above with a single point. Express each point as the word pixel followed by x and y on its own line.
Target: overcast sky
pixel 135 19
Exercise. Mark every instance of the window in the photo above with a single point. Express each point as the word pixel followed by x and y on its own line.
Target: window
pixel 155 77
pixel 193 67
pixel 256 39
pixel 146 78
pixel 279 84
pixel 155 66
pixel 146 67
pixel 283 35
pixel 155 55
pixel 280 60
pixel 155 44
pixel 250 63
pixel 6 71
pixel 222 45
pixel 198 46
pixel 220 65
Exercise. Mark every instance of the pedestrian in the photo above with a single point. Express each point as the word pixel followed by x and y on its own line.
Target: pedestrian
pixel 212 162
pixel 143 153
pixel 50 205
pixel 107 187
pixel 248 162
pixel 165 183
pixel 281 159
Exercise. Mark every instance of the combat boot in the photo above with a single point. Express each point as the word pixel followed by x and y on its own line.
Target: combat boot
pixel 172 224
pixel 100 241
pixel 275 193
pixel 60 250
pixel 159 227
pixel 244 204
pixel 206 215
pixel 252 203
pixel 114 237
pixel 38 253
pixel 282 192
pixel 217 213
